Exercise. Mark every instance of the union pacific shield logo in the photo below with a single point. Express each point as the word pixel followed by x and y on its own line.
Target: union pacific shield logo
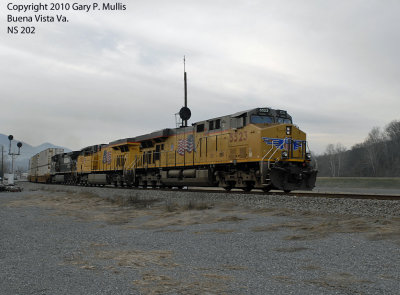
pixel 281 144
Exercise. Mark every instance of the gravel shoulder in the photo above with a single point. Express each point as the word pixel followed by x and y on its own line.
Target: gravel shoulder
pixel 84 240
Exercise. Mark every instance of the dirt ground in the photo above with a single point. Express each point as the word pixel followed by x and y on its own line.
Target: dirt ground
pixel 160 246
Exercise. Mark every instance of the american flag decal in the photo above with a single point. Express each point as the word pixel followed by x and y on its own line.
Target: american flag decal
pixel 106 157
pixel 186 145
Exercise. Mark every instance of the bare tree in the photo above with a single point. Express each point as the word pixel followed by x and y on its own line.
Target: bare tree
pixel 378 155
pixel 393 131
pixel 371 144
pixel 331 152
pixel 339 150
pixel 392 147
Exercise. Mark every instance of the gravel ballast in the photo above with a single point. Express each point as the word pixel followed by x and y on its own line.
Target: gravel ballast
pixel 86 240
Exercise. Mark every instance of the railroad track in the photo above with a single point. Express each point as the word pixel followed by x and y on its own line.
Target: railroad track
pixel 272 193
pixel 305 194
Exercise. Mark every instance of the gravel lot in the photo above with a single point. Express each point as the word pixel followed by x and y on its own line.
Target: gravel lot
pixel 81 240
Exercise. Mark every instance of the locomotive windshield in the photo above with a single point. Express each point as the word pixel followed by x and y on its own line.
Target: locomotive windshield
pixel 284 121
pixel 261 119
pixel 255 119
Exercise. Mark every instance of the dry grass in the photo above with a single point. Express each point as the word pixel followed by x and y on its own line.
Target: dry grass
pixel 229 218
pixel 221 231
pixel 274 211
pixel 340 281
pixel 311 267
pixel 217 276
pixel 122 210
pixel 132 201
pixel 138 258
pixel 284 279
pixel 152 267
pixel 313 226
pixel 185 218
pixel 171 206
pixel 153 283
pixel 90 207
pixel 234 267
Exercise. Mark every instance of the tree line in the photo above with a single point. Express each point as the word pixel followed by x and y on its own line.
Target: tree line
pixel 378 155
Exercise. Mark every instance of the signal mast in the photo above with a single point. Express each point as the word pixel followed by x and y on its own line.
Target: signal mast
pixel 185 112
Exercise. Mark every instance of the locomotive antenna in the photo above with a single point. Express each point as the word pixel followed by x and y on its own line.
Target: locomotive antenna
pixel 185 112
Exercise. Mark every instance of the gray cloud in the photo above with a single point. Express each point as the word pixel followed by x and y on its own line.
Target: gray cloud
pixel 333 65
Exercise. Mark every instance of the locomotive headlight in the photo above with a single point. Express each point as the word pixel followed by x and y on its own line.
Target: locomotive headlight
pixel 308 156
pixel 285 155
pixel 288 130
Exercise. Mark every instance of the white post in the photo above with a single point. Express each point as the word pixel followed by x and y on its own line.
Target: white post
pixel 11 176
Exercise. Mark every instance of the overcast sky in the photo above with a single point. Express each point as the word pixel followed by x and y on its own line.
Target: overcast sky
pixel 333 65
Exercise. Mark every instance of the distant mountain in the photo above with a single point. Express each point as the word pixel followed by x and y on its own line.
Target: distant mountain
pixel 27 150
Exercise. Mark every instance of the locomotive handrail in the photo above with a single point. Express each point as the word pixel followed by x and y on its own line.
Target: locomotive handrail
pixel 276 149
pixel 269 160
pixel 262 160
pixel 134 162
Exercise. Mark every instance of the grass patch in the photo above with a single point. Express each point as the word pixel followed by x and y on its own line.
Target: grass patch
pixel 171 206
pixel 339 281
pixel 132 201
pixel 318 228
pixel 359 182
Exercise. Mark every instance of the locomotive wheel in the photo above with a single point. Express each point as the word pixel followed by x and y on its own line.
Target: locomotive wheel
pixel 228 188
pixel 287 191
pixel 248 188
pixel 266 189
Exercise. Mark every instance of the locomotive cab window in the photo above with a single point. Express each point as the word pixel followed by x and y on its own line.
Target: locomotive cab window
pixel 217 123
pixel 214 124
pixel 284 121
pixel 200 128
pixel 254 119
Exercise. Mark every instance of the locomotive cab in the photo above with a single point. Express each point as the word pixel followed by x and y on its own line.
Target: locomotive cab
pixel 260 116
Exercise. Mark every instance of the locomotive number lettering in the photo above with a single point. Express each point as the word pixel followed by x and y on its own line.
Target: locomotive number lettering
pixel 238 136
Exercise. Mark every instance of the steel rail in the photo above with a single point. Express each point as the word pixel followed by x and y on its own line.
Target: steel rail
pixel 218 190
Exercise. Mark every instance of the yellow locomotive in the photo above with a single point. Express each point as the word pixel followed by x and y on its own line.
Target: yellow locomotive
pixel 258 148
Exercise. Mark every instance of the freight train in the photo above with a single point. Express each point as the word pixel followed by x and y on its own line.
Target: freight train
pixel 259 148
